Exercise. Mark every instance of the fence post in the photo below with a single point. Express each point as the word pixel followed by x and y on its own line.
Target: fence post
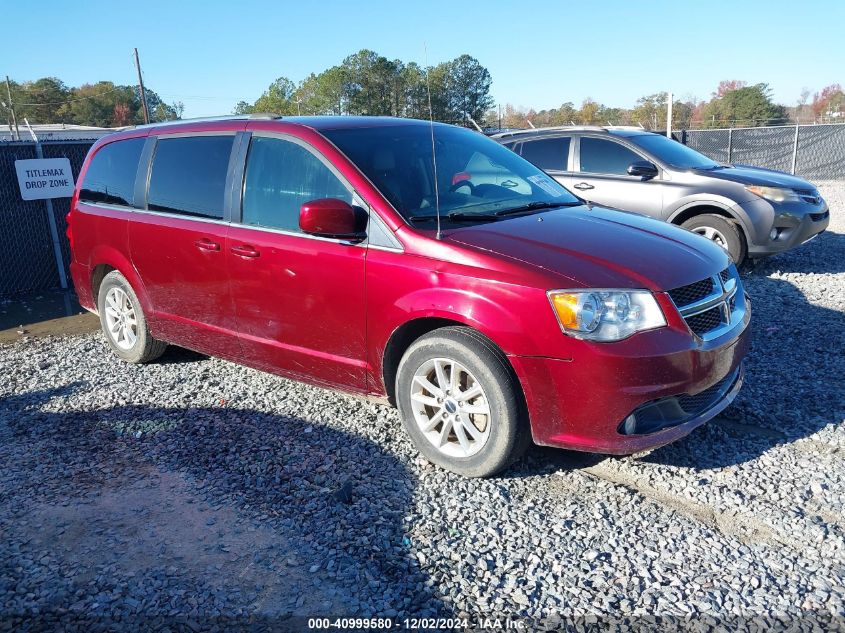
pixel 795 149
pixel 54 231
pixel 730 144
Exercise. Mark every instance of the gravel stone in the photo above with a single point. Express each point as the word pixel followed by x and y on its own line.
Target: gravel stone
pixel 198 489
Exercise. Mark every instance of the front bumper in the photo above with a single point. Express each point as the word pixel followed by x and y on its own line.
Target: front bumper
pixel 581 403
pixel 796 223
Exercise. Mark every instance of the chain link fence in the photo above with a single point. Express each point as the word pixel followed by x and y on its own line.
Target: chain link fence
pixel 27 259
pixel 815 152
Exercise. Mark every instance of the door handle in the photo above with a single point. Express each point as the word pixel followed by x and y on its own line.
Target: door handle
pixel 245 250
pixel 583 186
pixel 207 245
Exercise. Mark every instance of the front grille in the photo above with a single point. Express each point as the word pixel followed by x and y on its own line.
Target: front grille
pixel 705 399
pixel 819 216
pixel 685 295
pixel 725 275
pixel 810 196
pixel 705 321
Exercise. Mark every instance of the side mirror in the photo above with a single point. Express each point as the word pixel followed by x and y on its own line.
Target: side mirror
pixel 330 217
pixel 642 168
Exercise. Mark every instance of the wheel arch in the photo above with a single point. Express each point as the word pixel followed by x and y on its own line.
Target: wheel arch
pixel 105 260
pixel 698 208
pixel 407 333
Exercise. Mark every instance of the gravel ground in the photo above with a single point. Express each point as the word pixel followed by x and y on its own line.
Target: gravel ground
pixel 198 489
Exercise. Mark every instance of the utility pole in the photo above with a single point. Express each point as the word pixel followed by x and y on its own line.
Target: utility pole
pixel 12 108
pixel 669 116
pixel 141 88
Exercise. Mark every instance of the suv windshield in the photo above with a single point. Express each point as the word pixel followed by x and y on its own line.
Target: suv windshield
pixel 673 153
pixel 478 179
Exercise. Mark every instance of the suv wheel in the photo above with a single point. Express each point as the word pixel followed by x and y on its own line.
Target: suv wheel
pixel 460 402
pixel 123 321
pixel 721 230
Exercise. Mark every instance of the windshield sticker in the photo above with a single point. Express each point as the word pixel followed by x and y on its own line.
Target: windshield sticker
pixel 546 185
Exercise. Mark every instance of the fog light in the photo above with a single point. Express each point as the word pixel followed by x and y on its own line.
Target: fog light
pixel 774 234
pixel 630 425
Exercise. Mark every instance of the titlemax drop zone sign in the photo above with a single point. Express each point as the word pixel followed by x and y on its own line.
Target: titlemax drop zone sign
pixel 41 178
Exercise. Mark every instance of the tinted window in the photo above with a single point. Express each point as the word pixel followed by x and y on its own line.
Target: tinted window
pixel 547 153
pixel 280 177
pixel 111 174
pixel 189 175
pixel 673 153
pixel 599 156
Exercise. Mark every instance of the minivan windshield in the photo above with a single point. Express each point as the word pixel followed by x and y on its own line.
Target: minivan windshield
pixel 673 153
pixel 478 179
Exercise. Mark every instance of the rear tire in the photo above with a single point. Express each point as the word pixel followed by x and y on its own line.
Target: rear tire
pixel 123 322
pixel 461 403
pixel 723 231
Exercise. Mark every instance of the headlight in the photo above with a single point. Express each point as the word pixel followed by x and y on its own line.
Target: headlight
pixel 605 315
pixel 775 194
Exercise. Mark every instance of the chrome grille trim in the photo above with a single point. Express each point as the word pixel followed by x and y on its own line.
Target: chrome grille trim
pixel 725 296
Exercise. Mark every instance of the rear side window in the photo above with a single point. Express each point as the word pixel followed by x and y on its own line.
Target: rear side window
pixel 280 176
pixel 547 153
pixel 189 175
pixel 599 156
pixel 110 177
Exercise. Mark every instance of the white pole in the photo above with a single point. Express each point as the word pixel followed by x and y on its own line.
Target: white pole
pixel 51 218
pixel 669 115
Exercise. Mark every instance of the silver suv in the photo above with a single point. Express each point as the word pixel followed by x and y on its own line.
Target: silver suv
pixel 749 211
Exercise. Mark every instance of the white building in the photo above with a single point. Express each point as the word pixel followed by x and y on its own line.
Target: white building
pixel 56 132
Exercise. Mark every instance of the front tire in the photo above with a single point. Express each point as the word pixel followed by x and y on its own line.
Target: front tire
pixel 726 233
pixel 461 403
pixel 123 322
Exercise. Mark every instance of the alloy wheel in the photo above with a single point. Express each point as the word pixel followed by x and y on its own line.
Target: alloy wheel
pixel 450 407
pixel 713 235
pixel 121 321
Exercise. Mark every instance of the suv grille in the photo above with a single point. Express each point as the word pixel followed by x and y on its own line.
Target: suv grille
pixel 691 293
pixel 809 195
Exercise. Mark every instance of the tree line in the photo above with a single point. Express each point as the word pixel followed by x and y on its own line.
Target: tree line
pixel 366 83
pixel 102 104
pixel 733 104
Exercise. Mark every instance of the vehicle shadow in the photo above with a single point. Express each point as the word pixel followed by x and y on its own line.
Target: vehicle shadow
pixel 787 396
pixel 175 355
pixel 334 501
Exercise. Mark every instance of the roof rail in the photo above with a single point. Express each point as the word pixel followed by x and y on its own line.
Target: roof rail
pixel 211 119
pixel 553 128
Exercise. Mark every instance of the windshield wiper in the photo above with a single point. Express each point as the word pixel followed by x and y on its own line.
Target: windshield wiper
pixel 536 206
pixel 455 216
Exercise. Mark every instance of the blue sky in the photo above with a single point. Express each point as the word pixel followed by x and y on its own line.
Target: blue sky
pixel 212 54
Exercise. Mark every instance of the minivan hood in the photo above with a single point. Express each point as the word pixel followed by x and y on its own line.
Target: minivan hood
pixel 599 248
pixel 747 175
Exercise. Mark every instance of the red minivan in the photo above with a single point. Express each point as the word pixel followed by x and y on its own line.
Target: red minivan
pixel 417 263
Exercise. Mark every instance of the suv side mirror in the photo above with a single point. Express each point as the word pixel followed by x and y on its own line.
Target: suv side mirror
pixel 330 217
pixel 643 169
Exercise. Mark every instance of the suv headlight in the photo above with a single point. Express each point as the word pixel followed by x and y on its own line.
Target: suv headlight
pixel 774 194
pixel 605 315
